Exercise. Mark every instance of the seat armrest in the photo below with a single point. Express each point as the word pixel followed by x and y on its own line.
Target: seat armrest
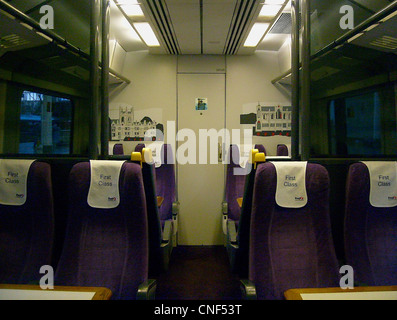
pixel 147 290
pixel 167 231
pixel 248 290
pixel 175 212
pixel 231 232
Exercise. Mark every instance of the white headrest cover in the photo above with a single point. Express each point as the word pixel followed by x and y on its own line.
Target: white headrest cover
pixel 383 183
pixel 291 184
pixel 13 181
pixel 104 186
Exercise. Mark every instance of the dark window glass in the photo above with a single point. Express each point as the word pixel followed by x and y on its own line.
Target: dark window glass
pixel 363 124
pixel 45 124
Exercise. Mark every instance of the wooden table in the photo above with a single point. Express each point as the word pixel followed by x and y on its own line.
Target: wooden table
pixel 34 292
pixel 358 293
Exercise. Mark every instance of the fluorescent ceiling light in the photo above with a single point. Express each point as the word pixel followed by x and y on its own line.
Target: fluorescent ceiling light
pixel 132 10
pixel 355 37
pixel 256 34
pixel 147 34
pixel 269 10
pixel 280 2
pixel 127 2
pixel 389 16
pixel 371 27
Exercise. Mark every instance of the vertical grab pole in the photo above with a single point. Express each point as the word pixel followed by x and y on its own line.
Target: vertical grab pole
pixel 305 106
pixel 105 134
pixel 94 74
pixel 295 79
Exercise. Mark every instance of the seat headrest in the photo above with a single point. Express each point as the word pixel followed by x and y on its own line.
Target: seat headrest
pixel 291 184
pixel 383 183
pixel 13 181
pixel 104 190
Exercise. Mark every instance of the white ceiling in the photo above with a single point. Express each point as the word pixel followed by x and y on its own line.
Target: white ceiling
pixel 201 26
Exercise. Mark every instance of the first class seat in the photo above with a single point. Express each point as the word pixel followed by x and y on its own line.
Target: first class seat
pixel 166 188
pixel 290 239
pixel 106 243
pixel 282 150
pixel 371 222
pixel 26 220
pixel 118 149
pixel 238 227
pixel 160 236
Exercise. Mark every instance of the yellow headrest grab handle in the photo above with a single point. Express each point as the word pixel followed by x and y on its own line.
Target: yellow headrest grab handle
pixel 137 157
pixel 259 158
pixel 252 155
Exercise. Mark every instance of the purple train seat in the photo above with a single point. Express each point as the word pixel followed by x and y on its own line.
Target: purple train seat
pixel 118 149
pixel 234 188
pixel 106 243
pixel 291 247
pixel 160 232
pixel 371 223
pixel 166 187
pixel 238 222
pixel 26 229
pixel 260 148
pixel 139 147
pixel 282 150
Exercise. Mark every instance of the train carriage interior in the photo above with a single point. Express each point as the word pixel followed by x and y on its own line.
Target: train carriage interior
pixel 198 149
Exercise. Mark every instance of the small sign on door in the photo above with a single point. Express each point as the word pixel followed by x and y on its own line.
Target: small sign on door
pixel 201 104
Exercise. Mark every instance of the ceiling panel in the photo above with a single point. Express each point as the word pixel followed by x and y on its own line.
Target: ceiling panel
pixel 185 19
pixel 217 17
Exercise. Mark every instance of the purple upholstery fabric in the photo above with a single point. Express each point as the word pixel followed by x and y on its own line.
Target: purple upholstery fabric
pixel 291 248
pixel 261 148
pixel 234 184
pixel 370 233
pixel 106 247
pixel 165 182
pixel 27 231
pixel 139 147
pixel 118 149
pixel 282 150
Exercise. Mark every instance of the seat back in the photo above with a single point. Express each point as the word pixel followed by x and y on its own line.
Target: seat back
pixel 260 148
pixel 118 149
pixel 282 150
pixel 291 247
pixel 106 247
pixel 139 147
pixel 154 224
pixel 165 182
pixel 27 230
pixel 238 231
pixel 370 229
pixel 234 187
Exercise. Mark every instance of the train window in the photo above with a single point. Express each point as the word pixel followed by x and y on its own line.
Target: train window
pixel 363 124
pixel 45 124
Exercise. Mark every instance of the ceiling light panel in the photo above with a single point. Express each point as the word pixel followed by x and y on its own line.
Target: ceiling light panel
pixel 132 10
pixel 146 32
pixel 256 34
pixel 269 10
pixel 277 2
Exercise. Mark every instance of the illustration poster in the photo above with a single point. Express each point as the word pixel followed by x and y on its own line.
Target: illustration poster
pixel 267 119
pixel 131 124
